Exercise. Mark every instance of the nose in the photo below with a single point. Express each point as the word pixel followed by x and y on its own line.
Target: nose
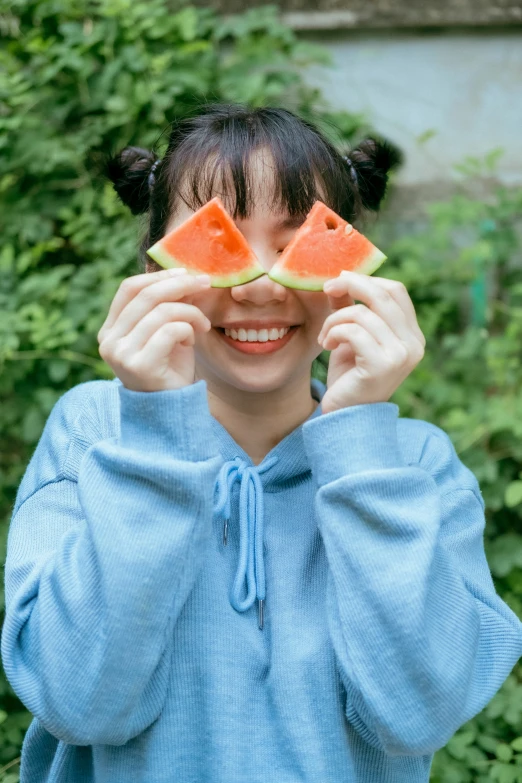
pixel 259 291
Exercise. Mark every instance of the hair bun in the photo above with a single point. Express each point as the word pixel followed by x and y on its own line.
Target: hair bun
pixel 129 171
pixel 372 160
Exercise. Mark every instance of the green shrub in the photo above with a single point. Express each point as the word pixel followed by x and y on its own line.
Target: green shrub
pixel 463 271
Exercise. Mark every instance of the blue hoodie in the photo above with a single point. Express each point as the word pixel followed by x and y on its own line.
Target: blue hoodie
pixel 176 614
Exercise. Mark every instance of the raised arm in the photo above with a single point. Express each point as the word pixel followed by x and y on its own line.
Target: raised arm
pixel 101 558
pixel 422 639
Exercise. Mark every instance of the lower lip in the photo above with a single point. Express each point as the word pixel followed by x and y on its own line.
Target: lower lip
pixel 270 346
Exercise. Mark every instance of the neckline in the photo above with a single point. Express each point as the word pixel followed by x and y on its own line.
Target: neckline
pixel 289 450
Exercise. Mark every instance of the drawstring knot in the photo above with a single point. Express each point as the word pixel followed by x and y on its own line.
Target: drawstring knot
pixel 251 563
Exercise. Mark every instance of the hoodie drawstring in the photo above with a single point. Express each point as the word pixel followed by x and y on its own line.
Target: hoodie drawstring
pixel 251 564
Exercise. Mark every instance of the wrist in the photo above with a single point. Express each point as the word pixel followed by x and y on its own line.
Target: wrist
pixel 353 440
pixel 175 422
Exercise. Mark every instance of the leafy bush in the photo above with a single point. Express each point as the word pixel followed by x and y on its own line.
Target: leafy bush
pixel 79 80
pixel 463 271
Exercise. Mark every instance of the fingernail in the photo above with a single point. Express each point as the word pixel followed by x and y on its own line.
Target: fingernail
pixel 179 270
pixel 205 279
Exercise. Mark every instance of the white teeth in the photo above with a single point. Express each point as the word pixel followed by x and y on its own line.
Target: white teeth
pixel 253 335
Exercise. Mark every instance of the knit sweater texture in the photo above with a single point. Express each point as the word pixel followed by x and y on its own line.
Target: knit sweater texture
pixel 342 634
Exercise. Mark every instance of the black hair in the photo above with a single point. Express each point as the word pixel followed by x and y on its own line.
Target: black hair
pixel 210 151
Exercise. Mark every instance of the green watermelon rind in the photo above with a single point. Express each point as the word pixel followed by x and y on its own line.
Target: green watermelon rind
pixel 167 261
pixel 307 283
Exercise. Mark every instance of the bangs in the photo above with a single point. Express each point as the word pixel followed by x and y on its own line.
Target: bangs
pixel 268 153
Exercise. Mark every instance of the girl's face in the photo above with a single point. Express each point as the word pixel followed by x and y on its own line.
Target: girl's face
pixel 261 305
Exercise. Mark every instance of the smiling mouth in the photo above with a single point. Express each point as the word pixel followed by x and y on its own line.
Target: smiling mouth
pixel 257 346
pixel 257 335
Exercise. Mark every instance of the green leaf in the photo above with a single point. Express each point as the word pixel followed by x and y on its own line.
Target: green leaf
pixel 58 370
pixel 426 136
pixel 487 743
pixel 505 553
pixel 513 494
pixel 504 773
pixel 32 425
pixel 504 752
pixel 459 743
pixel 188 22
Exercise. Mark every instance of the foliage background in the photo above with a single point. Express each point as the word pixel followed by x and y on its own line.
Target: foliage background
pixel 78 81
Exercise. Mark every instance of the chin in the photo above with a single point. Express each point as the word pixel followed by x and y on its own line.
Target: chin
pixel 253 380
pixel 257 381
pixel 255 375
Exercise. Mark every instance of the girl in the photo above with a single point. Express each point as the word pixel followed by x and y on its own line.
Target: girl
pixel 219 571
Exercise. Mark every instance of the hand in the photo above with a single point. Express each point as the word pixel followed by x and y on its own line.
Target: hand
pixel 374 348
pixel 149 332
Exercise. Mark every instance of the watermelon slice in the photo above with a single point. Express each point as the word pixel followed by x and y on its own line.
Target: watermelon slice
pixel 209 242
pixel 322 248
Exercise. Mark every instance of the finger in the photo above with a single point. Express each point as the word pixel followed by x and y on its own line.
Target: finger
pixel 157 351
pixel 164 313
pixel 366 318
pixel 362 342
pixel 339 298
pixel 379 299
pixel 129 288
pixel 164 340
pixel 169 290
pixel 400 293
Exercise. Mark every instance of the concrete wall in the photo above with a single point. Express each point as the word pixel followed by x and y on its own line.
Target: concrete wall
pixel 322 14
pixel 462 89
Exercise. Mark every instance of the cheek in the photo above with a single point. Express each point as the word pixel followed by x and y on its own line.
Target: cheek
pixel 317 308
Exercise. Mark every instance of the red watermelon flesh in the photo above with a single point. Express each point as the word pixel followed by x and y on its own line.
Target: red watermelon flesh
pixel 209 242
pixel 321 249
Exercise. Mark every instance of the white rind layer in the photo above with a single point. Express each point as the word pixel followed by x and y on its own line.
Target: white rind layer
pixel 280 275
pixel 167 261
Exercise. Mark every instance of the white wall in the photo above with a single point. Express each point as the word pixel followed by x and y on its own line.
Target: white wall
pixel 467 87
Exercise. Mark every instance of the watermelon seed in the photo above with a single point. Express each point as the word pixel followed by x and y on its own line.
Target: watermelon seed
pixel 331 225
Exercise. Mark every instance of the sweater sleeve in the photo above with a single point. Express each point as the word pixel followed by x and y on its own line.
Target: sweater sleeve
pixel 100 565
pixel 422 639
